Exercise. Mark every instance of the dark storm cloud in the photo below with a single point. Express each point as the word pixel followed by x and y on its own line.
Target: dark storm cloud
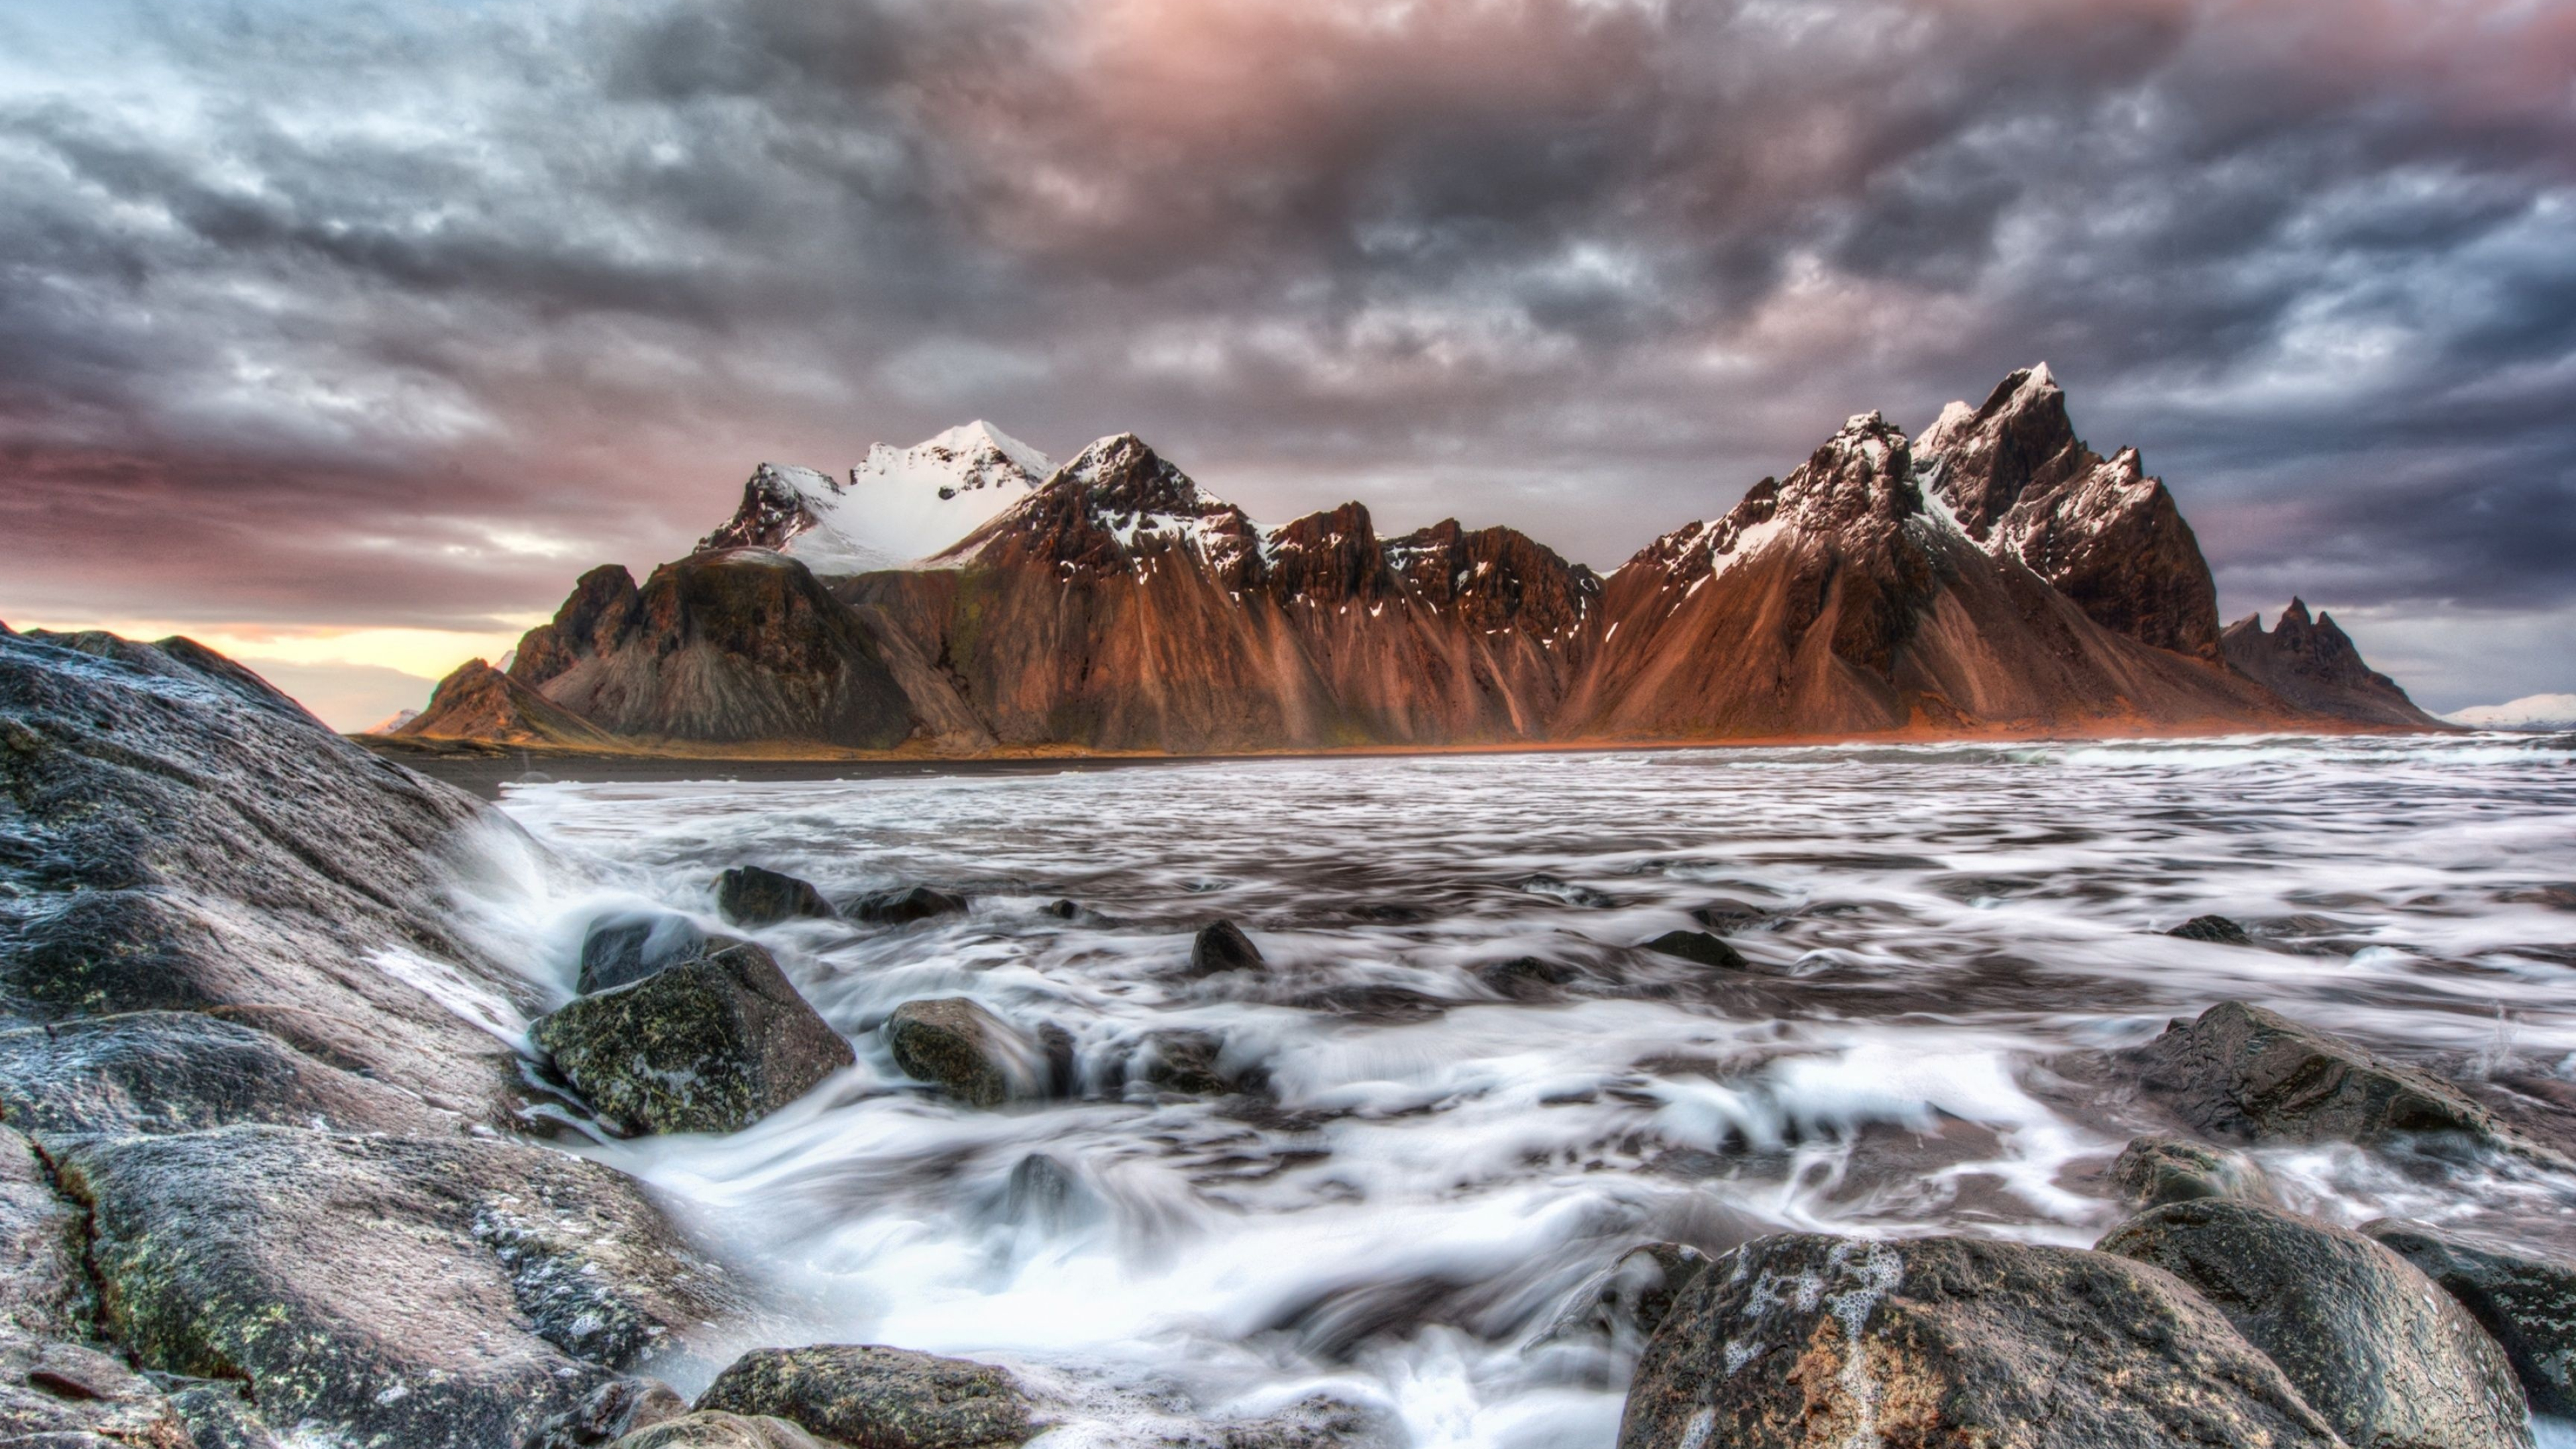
pixel 307 278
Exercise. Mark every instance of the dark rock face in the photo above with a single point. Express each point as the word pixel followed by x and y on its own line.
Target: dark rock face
pixel 2365 1338
pixel 903 907
pixel 2153 1171
pixel 176 1071
pixel 1801 1340
pixel 711 1045
pixel 494 1285
pixel 1222 946
pixel 1701 948
pixel 2526 1304
pixel 602 608
pixel 2218 930
pixel 2101 531
pixel 879 1398
pixel 2242 1072
pixel 760 897
pixel 623 948
pixel 967 1051
pixel 2312 663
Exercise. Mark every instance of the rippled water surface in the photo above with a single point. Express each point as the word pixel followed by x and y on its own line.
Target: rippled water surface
pixel 1944 942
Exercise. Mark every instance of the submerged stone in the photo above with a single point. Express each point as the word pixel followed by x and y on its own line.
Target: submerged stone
pixel 1222 946
pixel 903 907
pixel 881 1398
pixel 1699 947
pixel 2153 1171
pixel 632 945
pixel 967 1051
pixel 2217 930
pixel 757 896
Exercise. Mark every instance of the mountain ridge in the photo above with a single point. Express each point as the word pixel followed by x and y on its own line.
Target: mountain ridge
pixel 1991 574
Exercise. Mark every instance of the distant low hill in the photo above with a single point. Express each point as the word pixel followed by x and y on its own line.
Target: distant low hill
pixel 1992 574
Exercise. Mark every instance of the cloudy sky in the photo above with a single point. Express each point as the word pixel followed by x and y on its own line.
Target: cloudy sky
pixel 343 334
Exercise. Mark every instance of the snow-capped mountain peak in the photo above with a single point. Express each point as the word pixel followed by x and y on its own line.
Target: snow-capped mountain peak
pixel 2538 712
pixel 900 505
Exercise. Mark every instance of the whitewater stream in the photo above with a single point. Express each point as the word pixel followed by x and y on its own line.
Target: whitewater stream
pixel 1944 942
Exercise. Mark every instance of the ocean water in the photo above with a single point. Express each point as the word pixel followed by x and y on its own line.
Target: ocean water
pixel 1946 943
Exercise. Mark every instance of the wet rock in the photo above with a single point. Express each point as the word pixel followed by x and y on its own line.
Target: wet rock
pixel 612 1411
pixel 1191 1063
pixel 1569 893
pixel 1700 947
pixel 903 907
pixel 760 897
pixel 1802 1339
pixel 2370 1343
pixel 42 1287
pixel 970 1053
pixel 880 1398
pixel 1222 946
pixel 633 945
pixel 58 1393
pixel 1730 915
pixel 2153 1171
pixel 1320 1422
pixel 2243 1072
pixel 1625 1305
pixel 177 1071
pixel 2526 1304
pixel 711 1045
pixel 397 1293
pixel 220 1416
pixel 2215 929
pixel 1526 978
pixel 1062 910
pixel 1043 1192
pixel 715 1430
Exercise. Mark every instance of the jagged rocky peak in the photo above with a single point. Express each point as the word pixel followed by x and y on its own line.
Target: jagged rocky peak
pixel 2101 531
pixel 1861 480
pixel 1331 557
pixel 2314 665
pixel 602 607
pixel 900 505
pixel 1495 578
pixel 1117 505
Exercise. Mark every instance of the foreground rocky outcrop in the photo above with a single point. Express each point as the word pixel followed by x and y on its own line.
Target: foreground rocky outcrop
pixel 2526 1303
pixel 1992 573
pixel 252 1135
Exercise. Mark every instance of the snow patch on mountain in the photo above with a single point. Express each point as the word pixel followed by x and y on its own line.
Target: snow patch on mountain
pixel 2531 712
pixel 901 505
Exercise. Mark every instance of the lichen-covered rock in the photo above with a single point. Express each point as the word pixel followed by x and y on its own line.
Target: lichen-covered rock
pixel 2244 1072
pixel 713 1429
pixel 612 1411
pixel 2153 1171
pixel 2386 1357
pixel 711 1045
pixel 2216 930
pixel 880 1398
pixel 402 1294
pixel 756 896
pixel 903 907
pixel 1801 1339
pixel 54 1392
pixel 1699 947
pixel 1222 946
pixel 1625 1304
pixel 632 945
pixel 177 1071
pixel 969 1052
pixel 42 1288
pixel 2526 1304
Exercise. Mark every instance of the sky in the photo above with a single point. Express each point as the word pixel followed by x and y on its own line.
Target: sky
pixel 343 335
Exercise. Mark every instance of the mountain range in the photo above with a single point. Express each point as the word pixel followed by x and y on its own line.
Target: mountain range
pixel 1991 575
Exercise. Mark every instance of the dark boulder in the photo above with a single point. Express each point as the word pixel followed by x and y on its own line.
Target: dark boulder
pixel 759 897
pixel 178 1071
pixel 1699 947
pixel 2215 929
pixel 1190 1063
pixel 2242 1072
pixel 711 1045
pixel 903 907
pixel 2526 1304
pixel 1526 978
pixel 1222 946
pixel 612 1411
pixel 2386 1357
pixel 2153 1171
pixel 880 1398
pixel 713 1429
pixel 970 1053
pixel 449 1294
pixel 632 945
pixel 1625 1304
pixel 1802 1339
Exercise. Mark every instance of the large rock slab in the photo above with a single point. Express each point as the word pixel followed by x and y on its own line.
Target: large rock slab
pixel 176 835
pixel 711 1045
pixel 1802 1339
pixel 2243 1072
pixel 2386 1357
pixel 405 1294
pixel 880 1398
pixel 2526 1304
pixel 171 1071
